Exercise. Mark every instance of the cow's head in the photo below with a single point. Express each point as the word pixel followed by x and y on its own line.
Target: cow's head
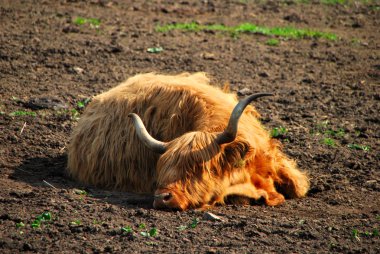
pixel 199 169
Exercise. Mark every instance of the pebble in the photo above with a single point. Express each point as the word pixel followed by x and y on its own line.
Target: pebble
pixel 211 217
pixel 244 91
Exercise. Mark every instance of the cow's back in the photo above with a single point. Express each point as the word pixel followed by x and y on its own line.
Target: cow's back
pixel 104 149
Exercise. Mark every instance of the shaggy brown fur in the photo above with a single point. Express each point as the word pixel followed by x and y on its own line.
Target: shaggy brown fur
pixel 186 112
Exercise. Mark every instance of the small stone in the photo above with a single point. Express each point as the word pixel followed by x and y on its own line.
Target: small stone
pixel 264 74
pixel 244 91
pixel 208 56
pixel 211 217
pixel 78 70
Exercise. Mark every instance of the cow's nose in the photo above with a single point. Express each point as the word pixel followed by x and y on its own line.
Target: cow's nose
pixel 163 200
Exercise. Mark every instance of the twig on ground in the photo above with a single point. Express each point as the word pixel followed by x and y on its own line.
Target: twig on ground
pixel 48 184
pixel 22 129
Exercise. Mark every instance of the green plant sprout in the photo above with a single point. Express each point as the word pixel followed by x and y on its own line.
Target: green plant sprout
pixel 359 147
pixel 194 223
pixel 76 222
pixel 83 103
pixel 94 23
pixel 155 50
pixel 20 224
pixel 23 113
pixel 80 192
pixel 272 42
pixel 74 114
pixel 46 216
pixel 127 229
pixel 151 233
pixel 328 142
pixel 278 132
pixel 356 233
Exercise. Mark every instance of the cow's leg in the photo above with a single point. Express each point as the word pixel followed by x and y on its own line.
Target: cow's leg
pixel 267 185
pixel 291 181
pixel 246 190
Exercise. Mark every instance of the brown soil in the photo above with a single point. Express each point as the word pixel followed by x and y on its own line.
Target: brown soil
pixel 47 64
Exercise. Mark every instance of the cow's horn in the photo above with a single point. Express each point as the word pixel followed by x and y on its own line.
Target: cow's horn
pixel 145 137
pixel 230 132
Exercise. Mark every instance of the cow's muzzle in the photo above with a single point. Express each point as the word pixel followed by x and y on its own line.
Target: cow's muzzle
pixel 166 200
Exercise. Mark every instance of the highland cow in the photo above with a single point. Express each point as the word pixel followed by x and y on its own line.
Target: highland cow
pixel 194 146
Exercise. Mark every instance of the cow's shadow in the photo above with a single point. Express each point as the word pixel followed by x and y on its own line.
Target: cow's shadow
pixel 50 172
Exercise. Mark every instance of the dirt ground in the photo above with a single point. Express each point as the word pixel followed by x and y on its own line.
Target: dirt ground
pixel 328 97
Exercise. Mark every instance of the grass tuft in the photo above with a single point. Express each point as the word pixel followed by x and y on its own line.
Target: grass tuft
pixel 359 147
pixel 248 28
pixel 23 113
pixel 272 42
pixel 94 23
pixel 328 142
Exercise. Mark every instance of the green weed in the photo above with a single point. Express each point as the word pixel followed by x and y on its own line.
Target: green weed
pixel 334 133
pixel 355 41
pixel 23 113
pixel 94 23
pixel 155 50
pixel 356 233
pixel 142 226
pixel 74 114
pixel 359 147
pixel 151 243
pixel 76 223
pixel 151 233
pixel 80 192
pixel 272 42
pixel 83 103
pixel 248 28
pixel 46 216
pixel 20 224
pixel 333 2
pixel 194 223
pixel 278 132
pixel 328 142
pixel 127 229
pixel 328 134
